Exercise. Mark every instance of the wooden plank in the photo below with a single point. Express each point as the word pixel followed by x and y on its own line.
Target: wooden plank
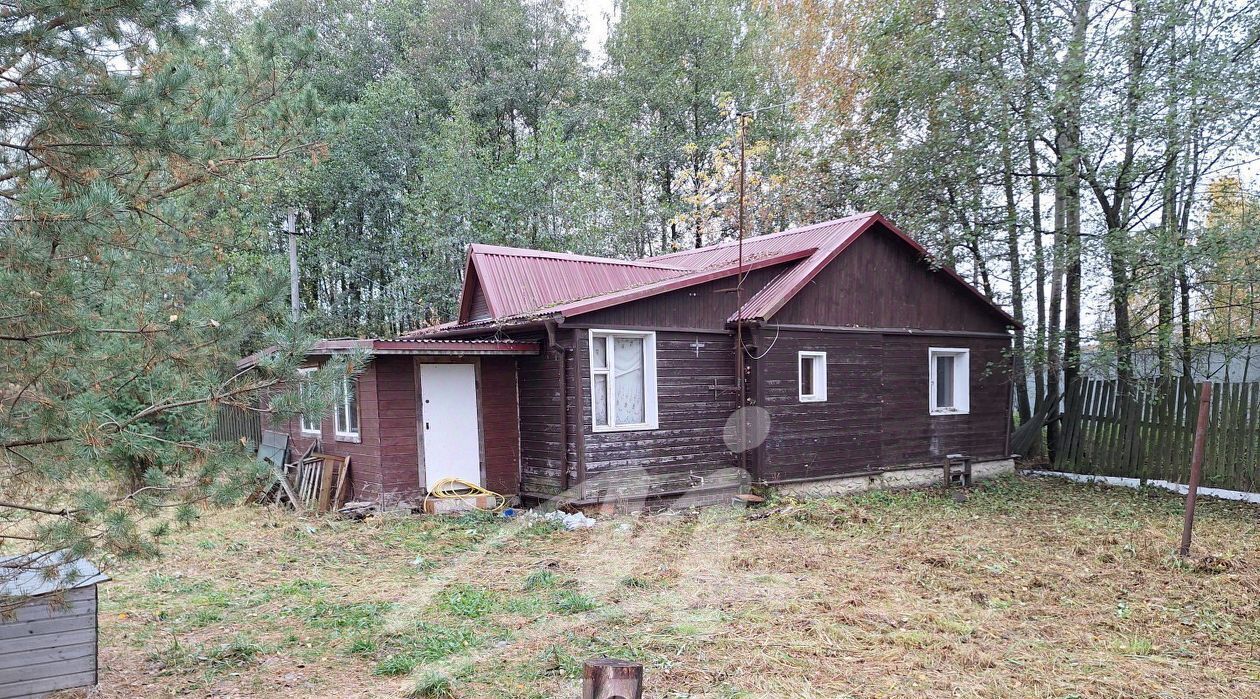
pixel 1238 442
pixel 1216 419
pixel 1100 453
pixel 1229 416
pixel 339 496
pixel 1085 429
pixel 1188 414
pixel 326 484
pixel 13 665
pixel 81 600
pixel 1115 429
pixel 1139 428
pixel 35 627
pixel 1165 417
pixel 1252 461
pixel 43 685
pixel 1071 417
pixel 84 632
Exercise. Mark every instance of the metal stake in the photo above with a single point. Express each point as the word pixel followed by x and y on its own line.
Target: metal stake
pixel 290 227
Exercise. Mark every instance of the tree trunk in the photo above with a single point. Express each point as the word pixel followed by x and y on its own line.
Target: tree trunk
pixel 1034 184
pixel 1020 374
pixel 1070 154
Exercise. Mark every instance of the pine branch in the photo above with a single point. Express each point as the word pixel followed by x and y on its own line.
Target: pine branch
pixel 33 442
pixel 37 510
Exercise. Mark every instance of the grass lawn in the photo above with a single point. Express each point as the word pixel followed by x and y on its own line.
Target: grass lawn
pixel 1030 588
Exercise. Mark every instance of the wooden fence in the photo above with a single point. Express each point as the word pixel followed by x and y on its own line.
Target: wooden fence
pixel 233 423
pixel 1147 431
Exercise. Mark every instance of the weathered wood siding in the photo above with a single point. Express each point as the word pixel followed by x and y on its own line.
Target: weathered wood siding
pixel 542 442
pixel 880 282
pixel 876 413
pixel 704 306
pixel 911 435
pixel 397 437
pixel 48 647
pixel 500 424
pixel 367 480
pixel 837 436
pixel 695 397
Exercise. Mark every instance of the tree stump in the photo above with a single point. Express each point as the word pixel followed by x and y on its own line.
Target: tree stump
pixel 609 678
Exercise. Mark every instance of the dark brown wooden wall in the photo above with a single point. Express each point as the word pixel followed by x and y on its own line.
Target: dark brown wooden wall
pixel 500 425
pixel 695 399
pixel 542 447
pixel 840 435
pixel 876 413
pixel 701 306
pixel 366 477
pixel 880 282
pixel 398 437
pixel 911 435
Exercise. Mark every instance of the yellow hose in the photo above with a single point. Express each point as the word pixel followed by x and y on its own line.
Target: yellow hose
pixel 460 489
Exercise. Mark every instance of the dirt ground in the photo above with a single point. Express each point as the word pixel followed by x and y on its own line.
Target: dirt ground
pixel 1029 588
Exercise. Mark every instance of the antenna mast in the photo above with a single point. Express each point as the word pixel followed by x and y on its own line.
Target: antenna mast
pixel 740 369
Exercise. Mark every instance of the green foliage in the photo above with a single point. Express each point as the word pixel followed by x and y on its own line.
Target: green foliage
pixel 467 601
pixel 357 616
pixel 132 271
pixel 432 685
pixel 424 643
pixel 542 579
pixel 503 130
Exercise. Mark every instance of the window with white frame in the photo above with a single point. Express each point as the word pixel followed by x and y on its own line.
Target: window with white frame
pixel 308 424
pixel 623 380
pixel 949 384
pixel 346 411
pixel 812 376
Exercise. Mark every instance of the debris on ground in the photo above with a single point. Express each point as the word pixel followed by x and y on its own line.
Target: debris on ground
pixel 571 521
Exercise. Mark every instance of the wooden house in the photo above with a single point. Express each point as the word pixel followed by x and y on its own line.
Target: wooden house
pixel 861 361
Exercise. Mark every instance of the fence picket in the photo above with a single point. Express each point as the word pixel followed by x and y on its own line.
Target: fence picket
pixel 233 423
pixel 1146 431
pixel 1252 462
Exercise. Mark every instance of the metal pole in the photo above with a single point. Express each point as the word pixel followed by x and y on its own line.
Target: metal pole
pixel 740 370
pixel 1196 465
pixel 295 301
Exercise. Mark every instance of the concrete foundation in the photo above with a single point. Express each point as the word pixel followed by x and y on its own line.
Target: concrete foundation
pixel 906 478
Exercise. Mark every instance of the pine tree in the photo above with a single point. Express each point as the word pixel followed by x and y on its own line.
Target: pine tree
pixel 130 276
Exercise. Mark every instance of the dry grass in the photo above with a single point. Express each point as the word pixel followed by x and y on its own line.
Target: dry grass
pixel 1028 589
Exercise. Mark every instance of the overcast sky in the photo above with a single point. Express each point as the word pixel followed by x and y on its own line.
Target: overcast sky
pixel 596 13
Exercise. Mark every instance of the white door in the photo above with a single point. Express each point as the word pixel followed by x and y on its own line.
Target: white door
pixel 448 416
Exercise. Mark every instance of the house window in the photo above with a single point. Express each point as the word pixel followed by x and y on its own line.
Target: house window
pixel 948 381
pixel 812 376
pixel 623 380
pixel 346 411
pixel 308 424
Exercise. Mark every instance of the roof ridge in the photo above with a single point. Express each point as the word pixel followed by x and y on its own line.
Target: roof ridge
pixel 485 249
pixel 767 236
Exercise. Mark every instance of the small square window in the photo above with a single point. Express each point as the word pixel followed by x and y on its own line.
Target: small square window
pixel 949 385
pixel 812 377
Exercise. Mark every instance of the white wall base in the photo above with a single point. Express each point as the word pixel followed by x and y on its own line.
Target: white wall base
pixel 1179 488
pixel 909 478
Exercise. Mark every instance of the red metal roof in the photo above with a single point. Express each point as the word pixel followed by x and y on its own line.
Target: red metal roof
pixel 518 280
pixel 522 285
